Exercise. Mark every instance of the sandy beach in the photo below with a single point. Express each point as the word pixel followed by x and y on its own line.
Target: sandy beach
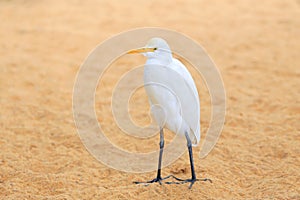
pixel 255 45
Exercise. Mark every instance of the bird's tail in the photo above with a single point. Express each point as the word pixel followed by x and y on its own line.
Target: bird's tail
pixel 195 137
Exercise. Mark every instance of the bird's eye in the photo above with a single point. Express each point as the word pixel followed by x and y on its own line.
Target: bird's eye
pixel 154 48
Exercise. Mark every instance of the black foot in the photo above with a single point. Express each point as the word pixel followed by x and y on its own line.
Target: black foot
pixel 191 181
pixel 157 179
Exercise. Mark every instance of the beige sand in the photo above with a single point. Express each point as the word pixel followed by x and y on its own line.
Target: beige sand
pixel 256 46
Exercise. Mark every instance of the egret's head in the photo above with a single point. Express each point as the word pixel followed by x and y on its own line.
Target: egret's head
pixel 155 48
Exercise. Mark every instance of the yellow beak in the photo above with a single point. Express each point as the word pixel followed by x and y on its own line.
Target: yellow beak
pixel 141 50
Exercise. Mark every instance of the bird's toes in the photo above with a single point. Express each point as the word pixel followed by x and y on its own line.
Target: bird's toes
pixel 205 179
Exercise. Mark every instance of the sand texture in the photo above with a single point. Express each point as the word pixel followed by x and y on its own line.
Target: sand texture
pixel 255 45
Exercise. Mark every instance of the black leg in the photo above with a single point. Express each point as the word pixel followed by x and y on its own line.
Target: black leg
pixel 193 179
pixel 161 149
pixel 189 144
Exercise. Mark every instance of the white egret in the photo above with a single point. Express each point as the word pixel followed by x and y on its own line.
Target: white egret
pixel 171 91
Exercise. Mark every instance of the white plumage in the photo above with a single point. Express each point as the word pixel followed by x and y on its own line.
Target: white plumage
pixel 170 87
